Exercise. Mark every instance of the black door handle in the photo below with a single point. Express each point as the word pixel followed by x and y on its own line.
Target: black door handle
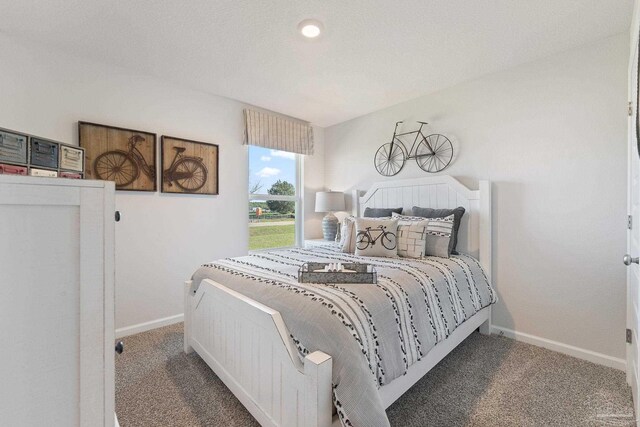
pixel 117 216
pixel 119 347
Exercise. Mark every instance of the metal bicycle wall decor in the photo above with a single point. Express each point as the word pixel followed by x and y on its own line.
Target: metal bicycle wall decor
pixel 433 153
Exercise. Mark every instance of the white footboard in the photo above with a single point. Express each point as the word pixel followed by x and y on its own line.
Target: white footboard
pixel 249 347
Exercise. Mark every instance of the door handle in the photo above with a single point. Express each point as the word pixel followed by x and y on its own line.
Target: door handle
pixel 628 260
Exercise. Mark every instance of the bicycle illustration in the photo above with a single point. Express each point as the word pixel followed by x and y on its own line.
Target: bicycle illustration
pixel 364 238
pixel 123 167
pixel 188 172
pixel 433 153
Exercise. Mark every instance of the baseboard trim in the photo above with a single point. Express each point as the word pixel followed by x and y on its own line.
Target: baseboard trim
pixel 147 326
pixel 580 353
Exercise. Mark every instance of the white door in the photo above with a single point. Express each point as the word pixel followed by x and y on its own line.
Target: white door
pixel 633 233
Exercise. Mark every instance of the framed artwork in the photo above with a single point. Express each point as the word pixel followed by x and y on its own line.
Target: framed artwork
pixel 189 167
pixel 126 156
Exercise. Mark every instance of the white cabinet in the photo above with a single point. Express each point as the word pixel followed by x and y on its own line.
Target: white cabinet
pixel 56 302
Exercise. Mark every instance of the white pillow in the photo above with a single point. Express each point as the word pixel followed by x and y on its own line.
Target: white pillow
pixel 376 237
pixel 348 235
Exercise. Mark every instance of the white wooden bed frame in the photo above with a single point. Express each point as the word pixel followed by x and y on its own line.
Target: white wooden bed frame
pixel 249 347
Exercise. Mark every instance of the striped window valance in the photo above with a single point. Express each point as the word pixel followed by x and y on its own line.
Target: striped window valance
pixel 277 132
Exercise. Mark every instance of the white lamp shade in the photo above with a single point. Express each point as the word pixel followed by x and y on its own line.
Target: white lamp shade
pixel 329 201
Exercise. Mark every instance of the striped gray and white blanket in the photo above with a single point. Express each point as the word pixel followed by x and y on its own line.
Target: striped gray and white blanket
pixel 373 332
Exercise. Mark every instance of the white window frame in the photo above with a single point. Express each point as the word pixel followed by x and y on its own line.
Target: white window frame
pixel 298 198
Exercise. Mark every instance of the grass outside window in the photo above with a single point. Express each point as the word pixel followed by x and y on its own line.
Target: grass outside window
pixel 271 236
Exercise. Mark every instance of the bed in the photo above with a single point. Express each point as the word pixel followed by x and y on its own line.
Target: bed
pixel 318 355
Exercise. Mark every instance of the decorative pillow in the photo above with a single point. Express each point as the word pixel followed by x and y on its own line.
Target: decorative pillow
pixel 380 212
pixel 348 235
pixel 407 217
pixel 412 238
pixel 442 213
pixel 439 235
pixel 376 237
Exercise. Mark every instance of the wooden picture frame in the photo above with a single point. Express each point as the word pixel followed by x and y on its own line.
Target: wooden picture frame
pixel 189 167
pixel 126 156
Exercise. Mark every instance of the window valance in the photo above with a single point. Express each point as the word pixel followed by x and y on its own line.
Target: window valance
pixel 277 132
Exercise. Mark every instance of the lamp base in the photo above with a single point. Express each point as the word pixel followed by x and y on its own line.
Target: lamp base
pixel 329 226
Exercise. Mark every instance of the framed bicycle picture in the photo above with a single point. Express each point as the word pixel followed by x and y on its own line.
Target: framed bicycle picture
pixel 189 167
pixel 125 156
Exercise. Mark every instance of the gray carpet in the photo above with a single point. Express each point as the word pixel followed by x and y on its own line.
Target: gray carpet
pixel 486 381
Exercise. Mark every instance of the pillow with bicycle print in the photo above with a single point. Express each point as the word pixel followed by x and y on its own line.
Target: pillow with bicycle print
pixel 439 235
pixel 376 237
pixel 348 234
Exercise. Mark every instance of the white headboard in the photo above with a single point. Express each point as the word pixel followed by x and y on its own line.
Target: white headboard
pixel 439 192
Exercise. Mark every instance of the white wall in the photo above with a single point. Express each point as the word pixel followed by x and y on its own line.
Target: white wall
pixel 551 135
pixel 162 238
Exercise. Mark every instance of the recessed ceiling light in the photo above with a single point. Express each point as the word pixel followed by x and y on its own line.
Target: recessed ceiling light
pixel 310 28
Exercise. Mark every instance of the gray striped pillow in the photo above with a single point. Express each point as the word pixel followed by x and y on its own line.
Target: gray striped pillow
pixel 439 232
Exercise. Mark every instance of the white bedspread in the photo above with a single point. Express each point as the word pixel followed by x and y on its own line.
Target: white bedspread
pixel 373 332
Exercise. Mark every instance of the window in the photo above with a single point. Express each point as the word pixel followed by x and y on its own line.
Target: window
pixel 274 199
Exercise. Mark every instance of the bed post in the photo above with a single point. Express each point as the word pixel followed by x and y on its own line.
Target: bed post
pixel 319 393
pixel 485 227
pixel 187 316
pixel 485 328
pixel 485 248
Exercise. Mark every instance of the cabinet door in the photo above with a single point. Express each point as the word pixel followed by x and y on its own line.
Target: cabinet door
pixel 53 315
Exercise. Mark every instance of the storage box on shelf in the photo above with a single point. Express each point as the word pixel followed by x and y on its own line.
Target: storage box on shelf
pixel 71 158
pixel 43 172
pixel 72 175
pixel 43 153
pixel 23 154
pixel 12 169
pixel 13 153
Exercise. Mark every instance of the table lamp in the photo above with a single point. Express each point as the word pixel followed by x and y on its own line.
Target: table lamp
pixel 329 201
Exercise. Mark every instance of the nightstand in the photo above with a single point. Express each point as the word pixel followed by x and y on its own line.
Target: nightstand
pixel 313 243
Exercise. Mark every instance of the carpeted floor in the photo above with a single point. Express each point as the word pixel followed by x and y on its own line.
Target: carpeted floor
pixel 486 381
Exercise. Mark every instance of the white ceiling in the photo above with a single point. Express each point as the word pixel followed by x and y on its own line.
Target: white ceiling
pixel 373 53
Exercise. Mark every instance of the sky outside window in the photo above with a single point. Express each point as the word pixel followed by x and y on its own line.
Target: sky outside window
pixel 266 166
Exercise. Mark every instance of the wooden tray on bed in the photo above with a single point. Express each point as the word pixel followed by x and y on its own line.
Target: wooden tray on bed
pixel 361 273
